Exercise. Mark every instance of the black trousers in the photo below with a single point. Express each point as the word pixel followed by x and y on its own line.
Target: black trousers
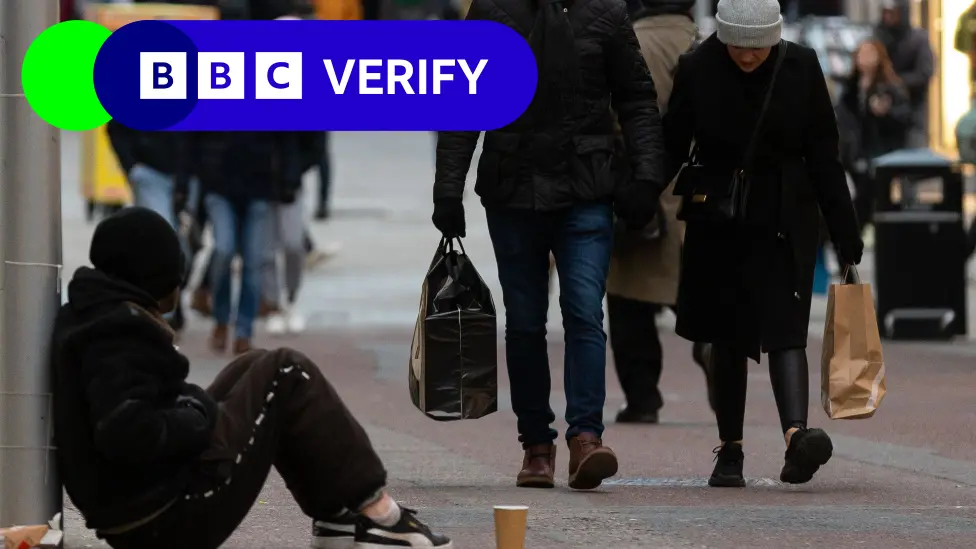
pixel 789 374
pixel 637 352
pixel 276 409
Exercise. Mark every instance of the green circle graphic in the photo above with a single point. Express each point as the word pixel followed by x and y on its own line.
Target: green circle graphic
pixel 58 75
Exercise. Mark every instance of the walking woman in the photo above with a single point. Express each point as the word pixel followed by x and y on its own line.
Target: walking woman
pixel 875 115
pixel 747 265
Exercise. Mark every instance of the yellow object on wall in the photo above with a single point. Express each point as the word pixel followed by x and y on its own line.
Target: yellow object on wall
pixel 102 180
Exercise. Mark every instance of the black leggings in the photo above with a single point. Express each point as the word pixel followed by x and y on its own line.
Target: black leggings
pixel 789 374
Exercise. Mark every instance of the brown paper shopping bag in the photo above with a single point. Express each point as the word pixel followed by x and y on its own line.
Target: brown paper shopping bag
pixel 852 366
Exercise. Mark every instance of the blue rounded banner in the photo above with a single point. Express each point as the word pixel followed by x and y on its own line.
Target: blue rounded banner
pixel 315 75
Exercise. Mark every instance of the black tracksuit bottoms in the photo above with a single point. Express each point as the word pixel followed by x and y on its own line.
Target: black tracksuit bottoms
pixel 276 409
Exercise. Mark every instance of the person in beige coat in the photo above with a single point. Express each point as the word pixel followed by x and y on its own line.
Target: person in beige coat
pixel 644 270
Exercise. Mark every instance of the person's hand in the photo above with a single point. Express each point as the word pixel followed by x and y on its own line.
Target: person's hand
pixel 449 217
pixel 288 196
pixel 638 207
pixel 849 253
pixel 880 104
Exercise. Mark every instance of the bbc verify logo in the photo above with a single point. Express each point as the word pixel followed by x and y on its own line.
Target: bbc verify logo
pixel 220 75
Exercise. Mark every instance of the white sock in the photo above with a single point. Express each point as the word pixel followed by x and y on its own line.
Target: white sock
pixel 385 513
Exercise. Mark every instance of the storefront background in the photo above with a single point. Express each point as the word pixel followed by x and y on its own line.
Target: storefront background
pixel 951 88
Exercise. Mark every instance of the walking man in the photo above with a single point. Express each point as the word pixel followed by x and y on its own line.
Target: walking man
pixel 550 182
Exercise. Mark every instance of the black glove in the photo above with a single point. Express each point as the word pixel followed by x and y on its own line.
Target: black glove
pixel 449 217
pixel 288 196
pixel 850 252
pixel 637 207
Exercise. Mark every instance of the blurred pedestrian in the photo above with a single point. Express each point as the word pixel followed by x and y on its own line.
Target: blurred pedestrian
pixel 644 269
pixel 288 238
pixel 747 271
pixel 242 175
pixel 913 61
pixel 154 462
pixel 875 115
pixel 549 183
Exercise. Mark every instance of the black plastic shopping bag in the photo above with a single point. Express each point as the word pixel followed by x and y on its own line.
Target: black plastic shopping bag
pixel 454 355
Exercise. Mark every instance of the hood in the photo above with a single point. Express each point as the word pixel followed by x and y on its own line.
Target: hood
pixel 650 8
pixel 91 288
pixel 904 7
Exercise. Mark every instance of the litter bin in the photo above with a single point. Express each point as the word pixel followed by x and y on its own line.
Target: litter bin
pixel 920 243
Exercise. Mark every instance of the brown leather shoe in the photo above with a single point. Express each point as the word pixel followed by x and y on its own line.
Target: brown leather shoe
pixel 242 345
pixel 590 462
pixel 200 302
pixel 538 467
pixel 267 308
pixel 218 338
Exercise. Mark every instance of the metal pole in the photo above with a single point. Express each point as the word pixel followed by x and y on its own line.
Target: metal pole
pixel 30 197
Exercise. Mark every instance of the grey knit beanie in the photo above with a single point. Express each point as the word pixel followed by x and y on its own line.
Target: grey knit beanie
pixel 749 23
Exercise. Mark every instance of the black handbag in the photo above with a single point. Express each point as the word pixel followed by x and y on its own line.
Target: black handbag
pixel 717 197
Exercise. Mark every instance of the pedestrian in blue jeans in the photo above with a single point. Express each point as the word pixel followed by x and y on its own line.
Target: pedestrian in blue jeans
pixel 242 175
pixel 551 182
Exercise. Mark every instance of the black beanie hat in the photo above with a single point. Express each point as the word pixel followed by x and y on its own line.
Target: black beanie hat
pixel 138 246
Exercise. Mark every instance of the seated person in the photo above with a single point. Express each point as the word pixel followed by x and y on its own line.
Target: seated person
pixel 154 462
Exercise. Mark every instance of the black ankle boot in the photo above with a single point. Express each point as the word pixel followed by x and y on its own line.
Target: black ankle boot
pixel 808 450
pixel 728 467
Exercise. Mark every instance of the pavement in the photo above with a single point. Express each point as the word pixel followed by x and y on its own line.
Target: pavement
pixel 903 479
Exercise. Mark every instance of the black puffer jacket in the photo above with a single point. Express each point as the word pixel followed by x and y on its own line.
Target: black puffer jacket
pixel 242 166
pixel 546 166
pixel 125 439
pixel 650 8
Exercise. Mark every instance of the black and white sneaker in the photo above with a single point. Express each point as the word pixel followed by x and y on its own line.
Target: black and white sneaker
pixel 335 533
pixel 408 532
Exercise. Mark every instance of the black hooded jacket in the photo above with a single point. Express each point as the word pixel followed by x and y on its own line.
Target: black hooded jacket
pixel 562 150
pixel 126 433
pixel 911 56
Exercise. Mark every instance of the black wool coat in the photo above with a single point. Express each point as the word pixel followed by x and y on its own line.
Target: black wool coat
pixel 749 284
pixel 526 165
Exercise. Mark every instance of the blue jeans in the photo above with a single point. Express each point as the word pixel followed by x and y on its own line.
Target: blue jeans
pixel 243 227
pixel 580 238
pixel 153 189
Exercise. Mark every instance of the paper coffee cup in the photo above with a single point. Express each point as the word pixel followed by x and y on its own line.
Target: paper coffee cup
pixel 510 524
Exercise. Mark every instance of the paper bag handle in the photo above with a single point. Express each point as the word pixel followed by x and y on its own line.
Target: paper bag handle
pixel 851 270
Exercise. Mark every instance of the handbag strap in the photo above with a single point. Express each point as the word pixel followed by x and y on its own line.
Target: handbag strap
pixel 753 141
